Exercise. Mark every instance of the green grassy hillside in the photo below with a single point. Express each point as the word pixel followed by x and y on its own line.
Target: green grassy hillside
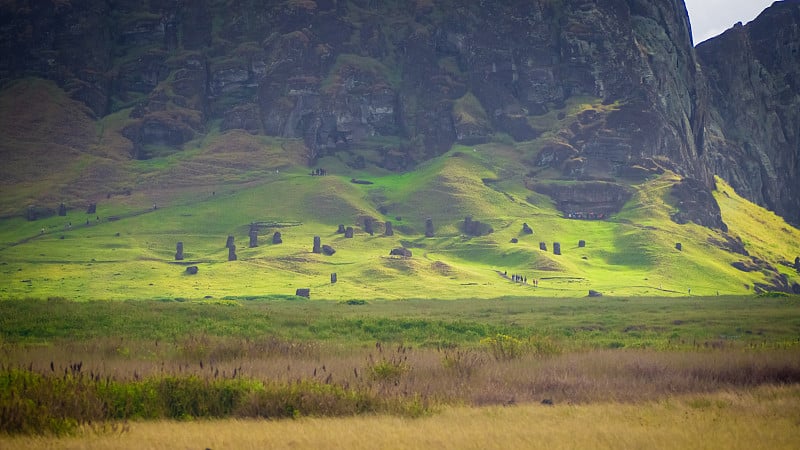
pixel 220 184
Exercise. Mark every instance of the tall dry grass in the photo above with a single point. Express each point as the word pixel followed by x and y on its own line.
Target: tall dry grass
pixel 760 418
pixel 467 375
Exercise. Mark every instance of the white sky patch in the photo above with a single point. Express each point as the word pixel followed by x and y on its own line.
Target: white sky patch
pixel 712 17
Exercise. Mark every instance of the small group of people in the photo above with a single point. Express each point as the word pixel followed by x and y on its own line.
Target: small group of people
pixel 521 279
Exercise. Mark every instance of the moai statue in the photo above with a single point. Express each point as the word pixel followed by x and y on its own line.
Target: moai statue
pixel 179 251
pixel 428 227
pixel 526 229
pixel 797 263
pixel 341 229
pixel 253 238
pixel 556 248
pixel 62 210
pixel 303 292
pixel 232 253
pixel 229 242
pixel 333 278
pixel 328 250
pixel 348 233
pixel 468 225
pixel 92 209
pixel 543 246
pixel 276 238
pixel 679 246
pixel 368 226
pixel 581 243
pixel 317 245
pixel 388 231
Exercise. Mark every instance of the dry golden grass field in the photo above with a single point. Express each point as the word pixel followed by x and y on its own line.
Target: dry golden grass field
pixel 762 418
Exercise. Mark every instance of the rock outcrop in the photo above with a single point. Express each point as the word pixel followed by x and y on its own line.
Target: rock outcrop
pixel 610 90
pixel 753 139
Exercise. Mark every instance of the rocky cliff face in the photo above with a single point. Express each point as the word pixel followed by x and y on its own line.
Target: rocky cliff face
pixel 753 141
pixel 609 90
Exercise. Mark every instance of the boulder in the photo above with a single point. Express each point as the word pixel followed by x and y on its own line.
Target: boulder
pixel 514 240
pixel 191 270
pixel 400 251
pixel 593 293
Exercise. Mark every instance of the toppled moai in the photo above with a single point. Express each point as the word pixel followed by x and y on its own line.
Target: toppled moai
pixel 303 292
pixel 327 250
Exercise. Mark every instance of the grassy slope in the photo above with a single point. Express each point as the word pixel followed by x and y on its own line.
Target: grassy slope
pixel 224 181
